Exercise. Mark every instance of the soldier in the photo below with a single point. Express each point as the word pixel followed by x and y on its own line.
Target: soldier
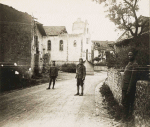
pixel 80 75
pixel 129 85
pixel 53 73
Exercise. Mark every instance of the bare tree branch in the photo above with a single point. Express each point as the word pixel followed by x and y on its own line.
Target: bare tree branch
pixel 135 16
pixel 135 3
pixel 128 3
pixel 128 28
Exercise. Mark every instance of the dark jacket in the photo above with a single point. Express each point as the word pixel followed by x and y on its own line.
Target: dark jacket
pixel 53 71
pixel 130 76
pixel 80 71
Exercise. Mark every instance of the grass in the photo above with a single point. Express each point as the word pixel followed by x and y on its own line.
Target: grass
pixel 113 107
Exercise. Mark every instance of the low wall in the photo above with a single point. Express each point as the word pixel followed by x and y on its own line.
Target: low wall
pixel 59 63
pixel 114 81
pixel 142 104
pixel 100 68
pixel 142 100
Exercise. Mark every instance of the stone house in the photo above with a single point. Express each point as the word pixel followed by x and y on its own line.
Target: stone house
pixel 20 39
pixel 101 47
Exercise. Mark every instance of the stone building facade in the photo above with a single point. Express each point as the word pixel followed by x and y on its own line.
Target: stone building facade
pixel 18 45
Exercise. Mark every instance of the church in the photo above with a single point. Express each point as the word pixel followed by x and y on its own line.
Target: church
pixel 62 47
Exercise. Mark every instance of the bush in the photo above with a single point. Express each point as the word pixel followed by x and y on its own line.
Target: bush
pixel 97 59
pixel 71 68
pixel 112 106
pixel 110 59
pixel 100 64
pixel 122 59
pixel 141 45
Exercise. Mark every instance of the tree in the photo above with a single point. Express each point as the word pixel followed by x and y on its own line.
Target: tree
pixel 110 59
pixel 124 15
pixel 97 59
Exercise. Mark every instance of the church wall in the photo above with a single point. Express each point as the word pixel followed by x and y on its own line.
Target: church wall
pixel 55 53
pixel 71 53
pixel 78 28
pixel 74 52
pixel 87 46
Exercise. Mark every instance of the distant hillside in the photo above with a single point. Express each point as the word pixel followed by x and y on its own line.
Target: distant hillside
pixel 10 14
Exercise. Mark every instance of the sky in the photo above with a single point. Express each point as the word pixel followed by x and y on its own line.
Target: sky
pixel 65 12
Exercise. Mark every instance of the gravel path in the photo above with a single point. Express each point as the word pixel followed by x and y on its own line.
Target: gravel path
pixel 38 107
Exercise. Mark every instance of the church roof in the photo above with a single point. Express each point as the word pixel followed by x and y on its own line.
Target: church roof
pixel 41 29
pixel 55 30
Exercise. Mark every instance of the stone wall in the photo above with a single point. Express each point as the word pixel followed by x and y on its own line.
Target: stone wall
pixel 142 100
pixel 142 104
pixel 15 37
pixel 114 81
pixel 16 44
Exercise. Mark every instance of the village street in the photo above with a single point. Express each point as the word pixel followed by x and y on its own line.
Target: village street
pixel 36 106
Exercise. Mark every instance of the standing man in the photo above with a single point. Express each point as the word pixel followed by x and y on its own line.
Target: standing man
pixel 53 73
pixel 129 85
pixel 80 75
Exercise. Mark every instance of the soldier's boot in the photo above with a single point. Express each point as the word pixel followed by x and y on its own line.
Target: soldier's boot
pixel 53 86
pixel 49 86
pixel 53 83
pixel 77 91
pixel 82 91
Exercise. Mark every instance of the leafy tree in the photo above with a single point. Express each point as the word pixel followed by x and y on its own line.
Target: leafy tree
pixel 124 15
pixel 110 59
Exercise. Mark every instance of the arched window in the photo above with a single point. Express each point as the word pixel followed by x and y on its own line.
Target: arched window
pixel 61 45
pixel 75 43
pixel 49 45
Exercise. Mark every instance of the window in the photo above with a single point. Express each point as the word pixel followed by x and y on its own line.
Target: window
pixel 87 54
pixel 75 43
pixel 49 45
pixel 87 41
pixel 61 45
pixel 87 30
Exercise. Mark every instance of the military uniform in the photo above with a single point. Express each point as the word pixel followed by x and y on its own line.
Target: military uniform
pixel 53 73
pixel 129 87
pixel 80 74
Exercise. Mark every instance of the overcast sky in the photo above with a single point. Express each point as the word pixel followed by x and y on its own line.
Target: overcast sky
pixel 65 12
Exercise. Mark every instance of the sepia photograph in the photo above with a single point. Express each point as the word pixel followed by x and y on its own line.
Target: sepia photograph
pixel 74 63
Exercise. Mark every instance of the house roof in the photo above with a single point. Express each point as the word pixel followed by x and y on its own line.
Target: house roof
pixel 127 36
pixel 97 41
pixel 55 30
pixel 103 45
pixel 128 40
pixel 41 29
